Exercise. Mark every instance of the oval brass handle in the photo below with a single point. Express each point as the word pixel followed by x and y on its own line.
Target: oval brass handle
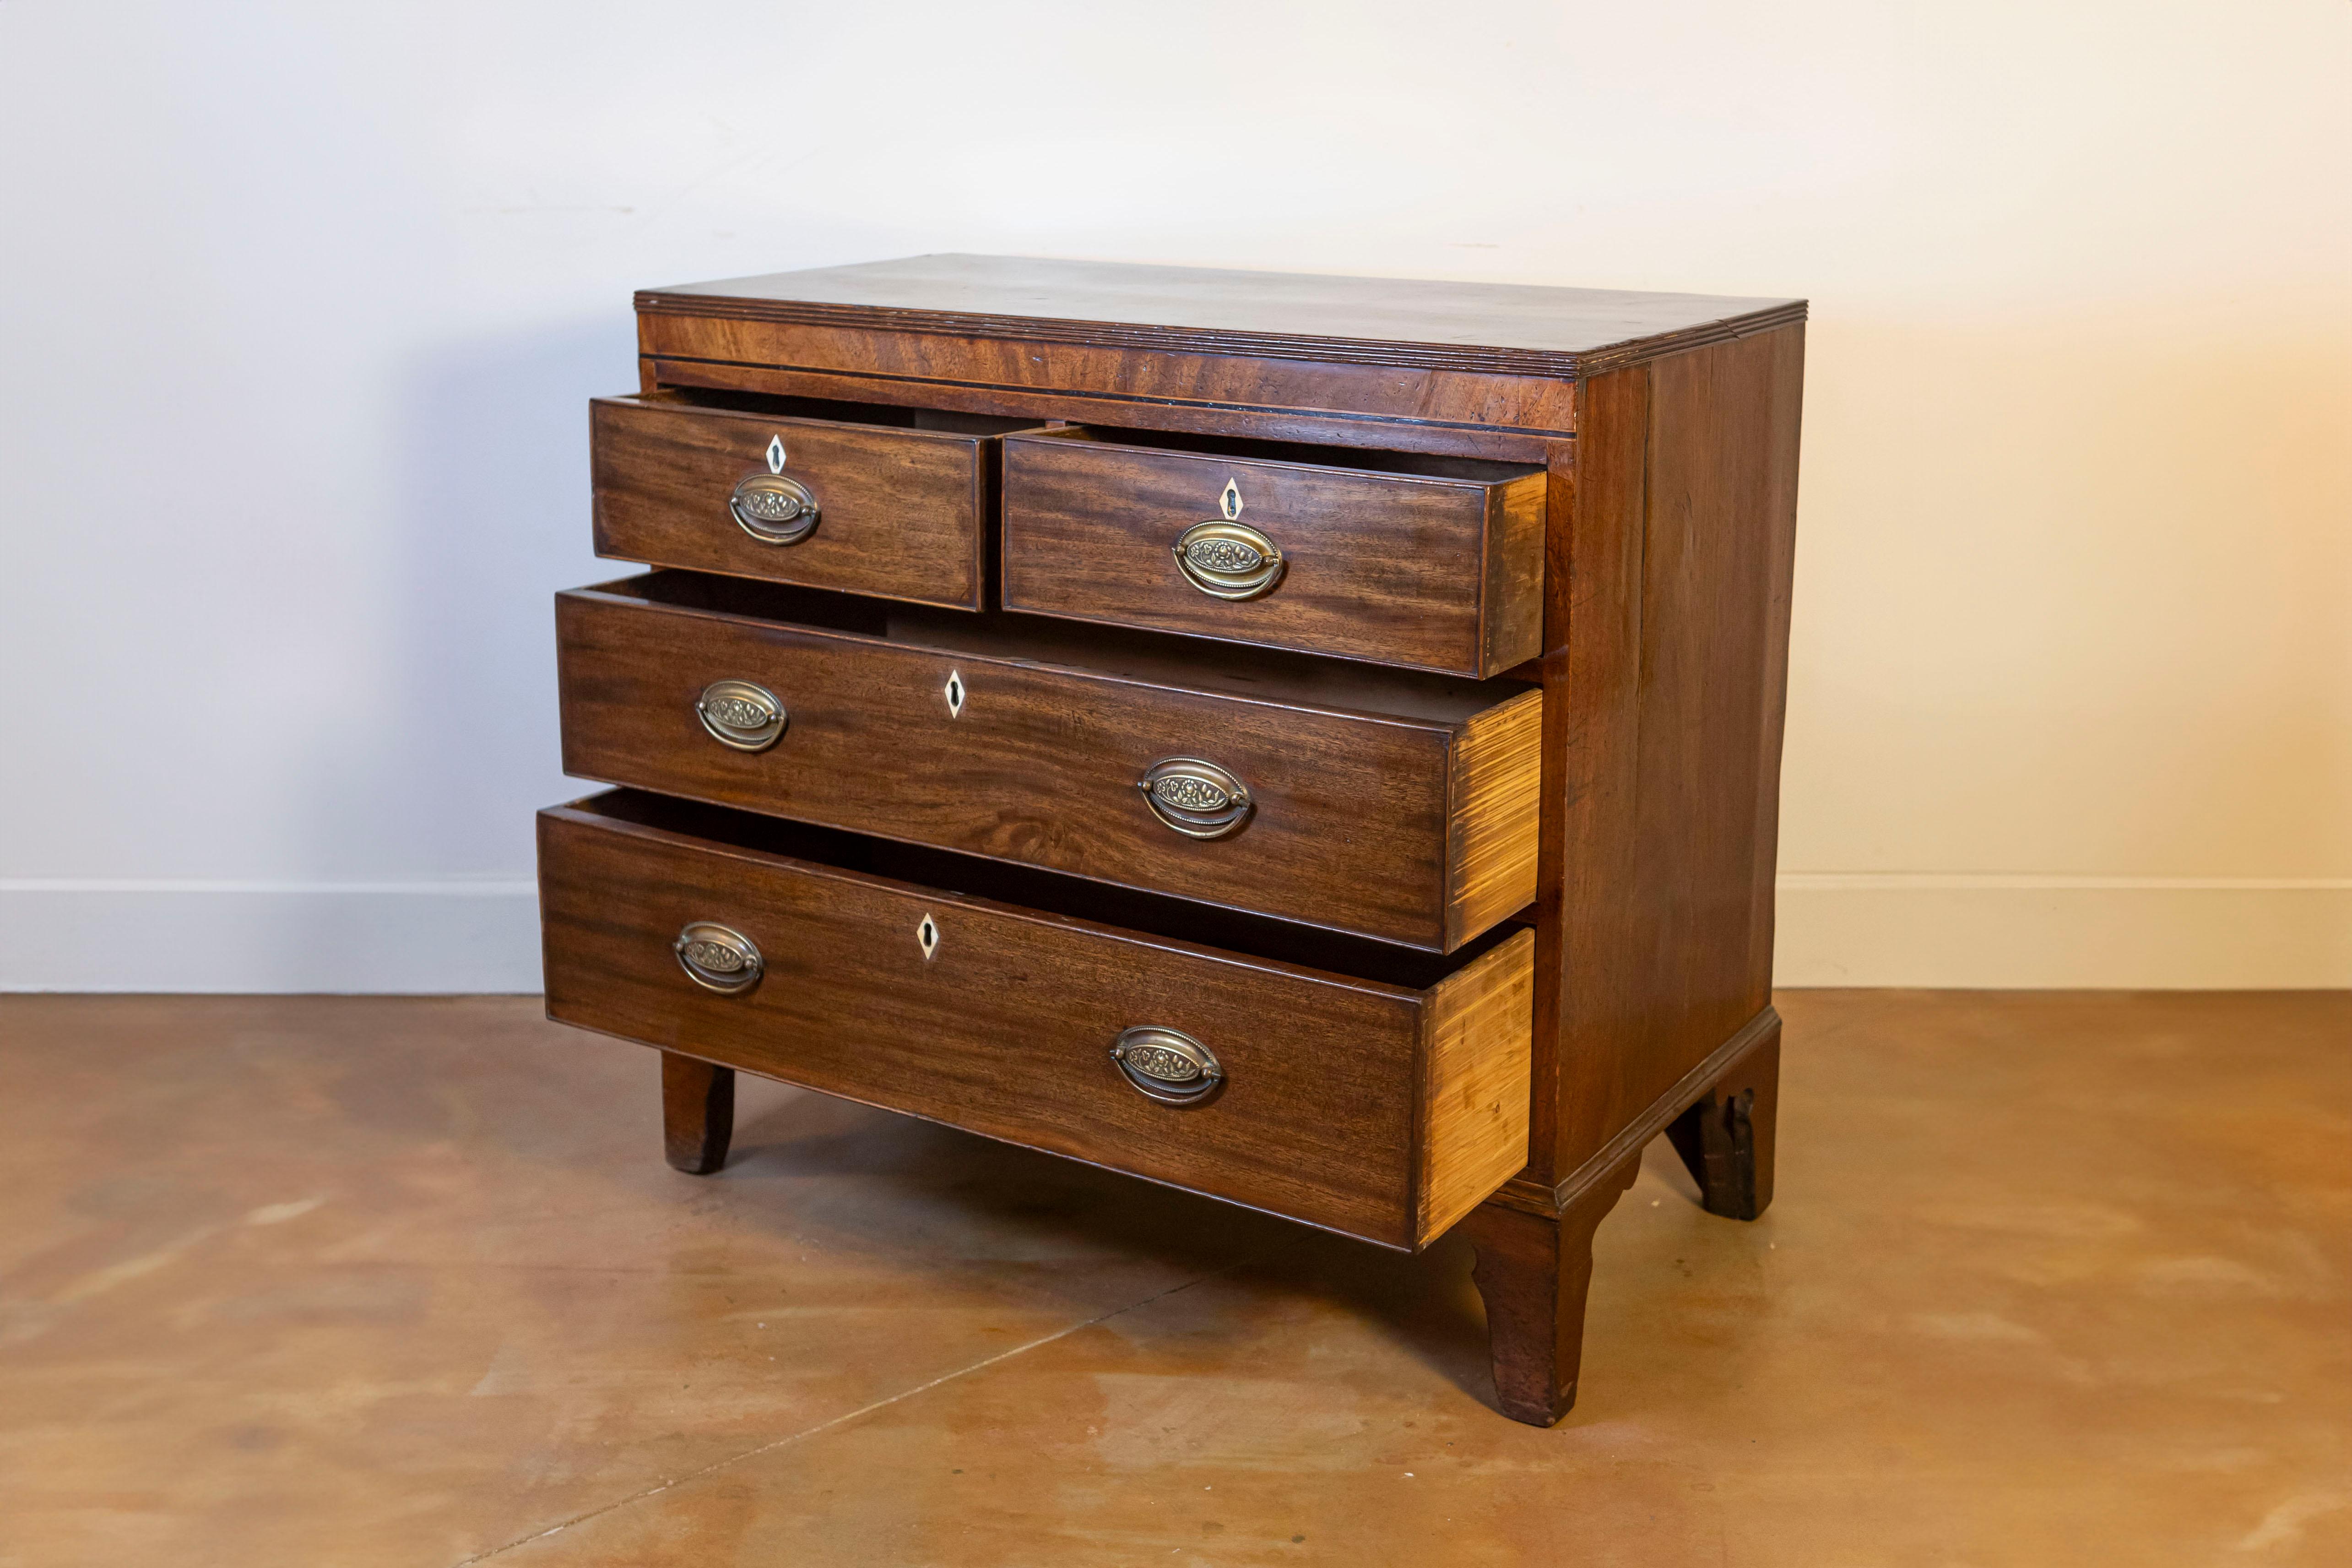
pixel 1228 560
pixel 774 509
pixel 1197 799
pixel 718 958
pixel 1167 1064
pixel 743 715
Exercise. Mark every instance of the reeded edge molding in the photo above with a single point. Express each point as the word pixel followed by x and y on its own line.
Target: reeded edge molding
pixel 1558 364
pixel 1535 1198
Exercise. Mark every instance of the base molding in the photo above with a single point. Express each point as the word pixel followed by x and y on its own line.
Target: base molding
pixel 1534 1197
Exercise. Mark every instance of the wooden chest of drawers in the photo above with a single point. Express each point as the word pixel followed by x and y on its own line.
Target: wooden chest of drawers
pixel 1310 740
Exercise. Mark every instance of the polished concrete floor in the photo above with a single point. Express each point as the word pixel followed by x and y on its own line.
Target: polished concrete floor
pixel 2050 1278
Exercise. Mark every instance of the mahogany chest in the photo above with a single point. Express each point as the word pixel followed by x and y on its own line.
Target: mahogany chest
pixel 1310 740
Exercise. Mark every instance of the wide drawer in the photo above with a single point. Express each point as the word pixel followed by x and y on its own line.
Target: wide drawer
pixel 1385 1096
pixel 1391 805
pixel 871 499
pixel 1425 561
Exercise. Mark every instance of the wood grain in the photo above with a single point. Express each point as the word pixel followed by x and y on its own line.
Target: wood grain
pixel 1535 1272
pixel 1658 841
pixel 1474 1133
pixel 1493 797
pixel 1422 411
pixel 1391 806
pixel 1414 323
pixel 1590 680
pixel 1511 607
pixel 1006 1030
pixel 698 1114
pixel 1693 860
pixel 904 508
pixel 1389 564
pixel 1108 375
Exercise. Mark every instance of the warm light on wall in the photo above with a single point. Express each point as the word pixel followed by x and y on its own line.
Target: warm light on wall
pixel 2071 697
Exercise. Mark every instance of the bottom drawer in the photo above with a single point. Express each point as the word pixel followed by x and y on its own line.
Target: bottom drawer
pixel 1374 1090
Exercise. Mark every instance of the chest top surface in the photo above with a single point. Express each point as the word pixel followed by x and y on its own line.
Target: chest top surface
pixel 1510 328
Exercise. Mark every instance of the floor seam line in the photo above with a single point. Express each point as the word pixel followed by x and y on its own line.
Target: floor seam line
pixel 841 1420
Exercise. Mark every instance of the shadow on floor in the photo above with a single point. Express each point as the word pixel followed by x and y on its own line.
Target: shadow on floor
pixel 920 1178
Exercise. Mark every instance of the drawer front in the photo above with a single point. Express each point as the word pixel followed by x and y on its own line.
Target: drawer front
pixel 1420 570
pixel 1376 1110
pixel 1421 832
pixel 900 513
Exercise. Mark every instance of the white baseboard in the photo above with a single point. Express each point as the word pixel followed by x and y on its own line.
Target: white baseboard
pixel 1835 929
pixel 2044 932
pixel 454 935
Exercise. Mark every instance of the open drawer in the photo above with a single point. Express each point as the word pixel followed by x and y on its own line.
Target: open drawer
pixel 896 502
pixel 1388 803
pixel 1400 558
pixel 1349 1085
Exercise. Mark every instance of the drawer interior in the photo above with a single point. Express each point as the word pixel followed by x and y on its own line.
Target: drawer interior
pixel 1424 464
pixel 1049 892
pixel 1230 668
pixel 883 415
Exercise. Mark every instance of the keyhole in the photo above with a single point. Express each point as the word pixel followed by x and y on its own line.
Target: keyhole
pixel 1230 503
pixel 775 454
pixel 927 937
pixel 954 689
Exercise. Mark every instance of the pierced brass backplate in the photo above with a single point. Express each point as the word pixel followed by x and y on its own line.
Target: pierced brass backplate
pixel 1228 560
pixel 718 958
pixel 743 715
pixel 1197 799
pixel 1167 1064
pixel 774 509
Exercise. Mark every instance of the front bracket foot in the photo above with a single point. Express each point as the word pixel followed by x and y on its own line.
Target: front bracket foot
pixel 1534 1270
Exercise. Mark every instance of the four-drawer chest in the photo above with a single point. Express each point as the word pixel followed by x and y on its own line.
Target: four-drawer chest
pixel 1314 741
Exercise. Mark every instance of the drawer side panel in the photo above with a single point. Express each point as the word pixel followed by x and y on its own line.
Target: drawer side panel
pixel 1496 796
pixel 1515 567
pixel 1474 1131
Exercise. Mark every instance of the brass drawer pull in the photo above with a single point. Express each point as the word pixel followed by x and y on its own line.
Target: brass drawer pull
pixel 718 958
pixel 1167 1064
pixel 774 509
pixel 741 715
pixel 1228 560
pixel 771 508
pixel 1197 799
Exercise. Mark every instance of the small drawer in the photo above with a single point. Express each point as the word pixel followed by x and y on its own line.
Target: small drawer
pixel 1388 803
pixel 1425 561
pixel 1379 1093
pixel 866 499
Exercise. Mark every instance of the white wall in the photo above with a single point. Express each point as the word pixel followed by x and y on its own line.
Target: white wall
pixel 300 304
